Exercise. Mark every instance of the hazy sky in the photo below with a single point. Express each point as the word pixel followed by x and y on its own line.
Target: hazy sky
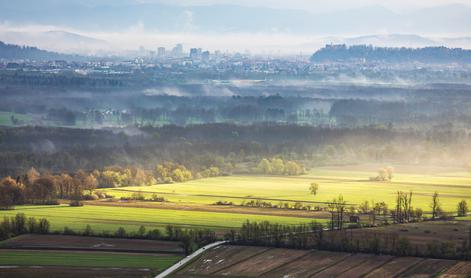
pixel 278 31
pixel 320 5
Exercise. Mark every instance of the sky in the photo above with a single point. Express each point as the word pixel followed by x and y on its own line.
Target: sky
pixel 317 5
pixel 320 22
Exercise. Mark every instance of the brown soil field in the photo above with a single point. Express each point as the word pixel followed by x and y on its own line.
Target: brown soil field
pixel 394 267
pixel 73 272
pixel 215 208
pixel 459 270
pixel 283 263
pixel 61 242
pixel 418 234
pixel 307 265
pixel 264 262
pixel 344 265
pixel 219 258
pixel 366 267
pixel 428 268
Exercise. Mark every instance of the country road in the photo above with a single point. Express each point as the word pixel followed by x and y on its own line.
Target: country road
pixel 188 258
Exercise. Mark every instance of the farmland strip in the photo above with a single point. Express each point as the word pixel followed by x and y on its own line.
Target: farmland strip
pixel 225 196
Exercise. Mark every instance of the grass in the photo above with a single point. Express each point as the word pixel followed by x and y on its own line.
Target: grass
pixel 452 186
pixel 85 259
pixel 353 185
pixel 108 218
pixel 5 118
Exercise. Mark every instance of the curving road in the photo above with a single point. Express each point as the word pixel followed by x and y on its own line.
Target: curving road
pixel 188 258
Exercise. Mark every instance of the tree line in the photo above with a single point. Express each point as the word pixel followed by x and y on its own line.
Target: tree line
pixel 224 146
pixel 46 189
pixel 190 239
pixel 315 236
pixel 342 52
pixel 279 166
pixel 20 224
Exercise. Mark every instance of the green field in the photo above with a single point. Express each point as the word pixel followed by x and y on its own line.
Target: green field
pixel 354 185
pixel 5 118
pixel 109 218
pixel 88 259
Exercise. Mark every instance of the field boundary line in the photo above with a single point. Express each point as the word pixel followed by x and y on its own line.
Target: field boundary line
pixel 223 196
pixel 199 209
pixel 381 265
pixel 280 266
pixel 410 267
pixel 330 265
pixel 352 267
pixel 189 258
pixel 243 260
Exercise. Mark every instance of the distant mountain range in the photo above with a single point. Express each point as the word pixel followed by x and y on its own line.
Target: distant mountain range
pixel 10 51
pixel 117 15
pixel 342 53
pixel 56 40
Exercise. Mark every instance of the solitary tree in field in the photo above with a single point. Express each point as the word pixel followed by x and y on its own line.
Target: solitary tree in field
pixel 435 205
pixel 463 208
pixel 313 188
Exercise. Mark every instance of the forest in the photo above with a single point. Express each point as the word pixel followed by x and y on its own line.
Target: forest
pixel 231 148
pixel 369 53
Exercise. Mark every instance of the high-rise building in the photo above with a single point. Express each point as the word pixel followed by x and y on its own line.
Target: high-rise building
pixel 161 52
pixel 177 51
pixel 195 53
pixel 205 56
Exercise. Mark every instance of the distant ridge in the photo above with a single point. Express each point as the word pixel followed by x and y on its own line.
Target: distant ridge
pixel 439 54
pixel 12 51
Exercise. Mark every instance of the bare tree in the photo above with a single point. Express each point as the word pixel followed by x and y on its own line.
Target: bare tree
pixel 435 206
pixel 339 206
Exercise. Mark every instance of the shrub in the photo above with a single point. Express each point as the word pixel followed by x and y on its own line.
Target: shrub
pixel 32 225
pixel 76 203
pixel 91 197
pixel 68 231
pixel 156 198
pixel 224 203
pixel 43 226
pixel 88 231
pixel 18 224
pixel 141 232
pixel 154 234
pixel 121 232
pixel 403 247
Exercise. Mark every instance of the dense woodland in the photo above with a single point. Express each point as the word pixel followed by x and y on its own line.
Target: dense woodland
pixel 338 53
pixel 231 148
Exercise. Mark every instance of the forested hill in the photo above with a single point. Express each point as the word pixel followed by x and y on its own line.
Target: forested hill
pixel 340 53
pixel 11 51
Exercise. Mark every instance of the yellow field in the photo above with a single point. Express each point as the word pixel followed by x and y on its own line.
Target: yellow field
pixel 353 183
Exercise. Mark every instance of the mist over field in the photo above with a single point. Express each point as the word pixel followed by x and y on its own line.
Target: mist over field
pixel 210 138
